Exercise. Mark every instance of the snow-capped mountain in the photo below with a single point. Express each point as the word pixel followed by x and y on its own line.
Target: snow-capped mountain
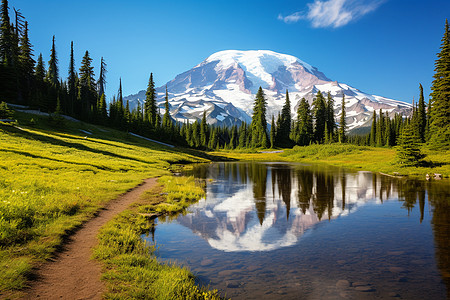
pixel 224 85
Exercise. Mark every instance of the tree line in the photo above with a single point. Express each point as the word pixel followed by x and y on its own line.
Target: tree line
pixel 28 82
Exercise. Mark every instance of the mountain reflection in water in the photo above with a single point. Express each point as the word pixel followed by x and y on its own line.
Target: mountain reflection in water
pixel 263 207
pixel 311 226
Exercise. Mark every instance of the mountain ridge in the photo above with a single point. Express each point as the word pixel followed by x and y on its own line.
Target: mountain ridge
pixel 225 83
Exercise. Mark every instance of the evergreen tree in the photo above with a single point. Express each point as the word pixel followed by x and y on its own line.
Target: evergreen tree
pixel 6 39
pixel 304 126
pixel 26 63
pixel 408 152
pixel 373 130
pixel 120 114
pixel 330 120
pixel 342 122
pixel 214 140
pixel 8 46
pixel 101 82
pixel 320 113
pixel 101 109
pixel 284 124
pixel 204 131
pixel 272 133
pixel 243 135
pixel 167 122
pixel 234 137
pixel 440 96
pixel 422 115
pixel 150 103
pixel 53 72
pixel 127 114
pixel 87 92
pixel 39 83
pixel 258 126
pixel 72 86
pixel 380 130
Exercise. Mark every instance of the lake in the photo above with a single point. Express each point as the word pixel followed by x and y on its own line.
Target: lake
pixel 294 231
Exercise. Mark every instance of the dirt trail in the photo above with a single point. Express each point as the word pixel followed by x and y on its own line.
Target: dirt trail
pixel 72 274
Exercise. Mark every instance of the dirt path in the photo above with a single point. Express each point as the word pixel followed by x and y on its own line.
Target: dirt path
pixel 72 274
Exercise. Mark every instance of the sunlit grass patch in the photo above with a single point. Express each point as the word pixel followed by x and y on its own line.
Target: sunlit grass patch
pixel 53 179
pixel 132 271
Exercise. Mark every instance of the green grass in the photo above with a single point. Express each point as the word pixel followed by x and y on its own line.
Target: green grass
pixel 54 176
pixel 132 271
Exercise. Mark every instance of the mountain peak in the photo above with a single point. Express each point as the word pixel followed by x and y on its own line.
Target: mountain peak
pixel 224 86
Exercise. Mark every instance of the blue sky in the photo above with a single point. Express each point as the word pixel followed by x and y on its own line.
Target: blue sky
pixel 382 47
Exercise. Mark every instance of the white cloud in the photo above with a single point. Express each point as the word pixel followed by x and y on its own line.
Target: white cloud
pixel 333 13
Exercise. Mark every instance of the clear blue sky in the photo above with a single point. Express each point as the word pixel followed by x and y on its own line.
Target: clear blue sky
pixel 383 47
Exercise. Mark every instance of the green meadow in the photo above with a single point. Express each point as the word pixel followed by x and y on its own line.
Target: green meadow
pixel 56 174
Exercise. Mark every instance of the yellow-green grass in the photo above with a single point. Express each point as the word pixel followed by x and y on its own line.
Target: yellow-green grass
pixel 128 259
pixel 353 157
pixel 54 176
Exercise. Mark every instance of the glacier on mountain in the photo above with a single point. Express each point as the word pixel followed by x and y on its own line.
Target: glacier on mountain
pixel 224 86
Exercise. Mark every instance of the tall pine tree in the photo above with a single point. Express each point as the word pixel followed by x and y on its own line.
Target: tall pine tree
pixel 422 115
pixel 303 130
pixel 258 127
pixel 440 95
pixel 330 120
pixel 101 82
pixel 342 122
pixel 167 122
pixel 26 64
pixel 284 124
pixel 320 117
pixel 150 103
pixel 87 93
pixel 73 107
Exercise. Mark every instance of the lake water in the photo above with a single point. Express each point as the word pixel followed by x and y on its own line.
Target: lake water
pixel 292 231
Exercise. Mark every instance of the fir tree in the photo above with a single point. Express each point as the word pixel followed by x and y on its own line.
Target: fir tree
pixel 87 93
pixel 422 115
pixel 373 130
pixel 408 152
pixel 127 114
pixel 119 107
pixel 101 109
pixel 167 122
pixel 380 130
pixel 72 85
pixel 440 96
pixel 319 117
pixel 53 72
pixel 284 124
pixel 243 135
pixel 304 125
pixel 101 82
pixel 150 103
pixel 204 131
pixel 272 133
pixel 6 39
pixel 258 126
pixel 26 63
pixel 342 122
pixel 330 120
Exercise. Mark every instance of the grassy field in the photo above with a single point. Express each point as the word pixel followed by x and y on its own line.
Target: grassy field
pixel 54 176
pixel 129 260
pixel 352 157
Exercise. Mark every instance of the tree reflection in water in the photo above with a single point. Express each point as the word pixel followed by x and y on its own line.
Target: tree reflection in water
pixel 267 206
